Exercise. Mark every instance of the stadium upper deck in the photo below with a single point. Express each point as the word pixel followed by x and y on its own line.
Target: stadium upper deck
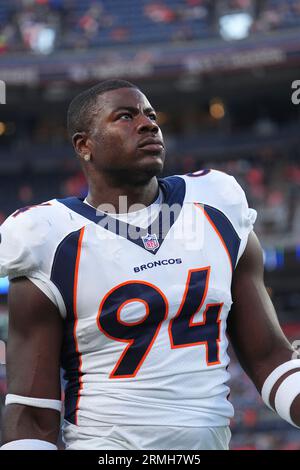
pixel 47 25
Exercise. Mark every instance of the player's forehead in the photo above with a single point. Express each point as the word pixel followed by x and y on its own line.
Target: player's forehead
pixel 123 98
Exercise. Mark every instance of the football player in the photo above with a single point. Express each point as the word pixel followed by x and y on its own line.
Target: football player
pixel 136 304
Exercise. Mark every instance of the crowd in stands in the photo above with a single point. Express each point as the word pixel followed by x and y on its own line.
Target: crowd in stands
pixel 42 26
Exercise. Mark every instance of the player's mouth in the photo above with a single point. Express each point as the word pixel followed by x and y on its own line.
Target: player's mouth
pixel 152 145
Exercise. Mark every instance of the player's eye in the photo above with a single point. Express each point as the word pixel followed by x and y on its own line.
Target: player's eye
pixel 125 116
pixel 152 116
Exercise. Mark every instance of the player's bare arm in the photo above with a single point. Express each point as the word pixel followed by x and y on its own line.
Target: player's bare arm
pixel 255 332
pixel 33 354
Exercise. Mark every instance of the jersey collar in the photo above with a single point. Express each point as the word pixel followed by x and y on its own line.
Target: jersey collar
pixel 150 238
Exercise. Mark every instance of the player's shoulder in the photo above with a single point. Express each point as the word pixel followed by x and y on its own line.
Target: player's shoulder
pixel 30 236
pixel 213 185
pixel 208 175
pixel 221 191
pixel 33 216
pixel 37 222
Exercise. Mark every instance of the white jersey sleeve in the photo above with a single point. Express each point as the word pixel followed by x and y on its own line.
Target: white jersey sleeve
pixel 241 215
pixel 18 239
pixel 29 239
pixel 224 193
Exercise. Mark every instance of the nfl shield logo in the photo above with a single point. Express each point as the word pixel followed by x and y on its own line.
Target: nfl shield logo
pixel 150 242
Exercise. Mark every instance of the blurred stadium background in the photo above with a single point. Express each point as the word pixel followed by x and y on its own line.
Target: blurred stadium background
pixel 219 72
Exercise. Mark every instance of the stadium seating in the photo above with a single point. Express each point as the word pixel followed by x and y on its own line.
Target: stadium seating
pixel 137 22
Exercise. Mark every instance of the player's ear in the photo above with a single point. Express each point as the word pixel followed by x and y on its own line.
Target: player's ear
pixel 80 143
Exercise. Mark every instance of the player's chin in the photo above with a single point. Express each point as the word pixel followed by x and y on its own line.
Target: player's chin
pixel 146 168
pixel 152 157
pixel 152 164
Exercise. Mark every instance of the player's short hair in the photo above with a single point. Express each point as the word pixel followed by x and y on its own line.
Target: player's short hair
pixel 79 117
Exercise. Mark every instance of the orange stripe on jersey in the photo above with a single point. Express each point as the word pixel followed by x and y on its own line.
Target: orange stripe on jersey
pixel 217 232
pixel 75 289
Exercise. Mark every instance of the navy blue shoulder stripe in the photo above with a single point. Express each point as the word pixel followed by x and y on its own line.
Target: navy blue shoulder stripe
pixel 63 276
pixel 226 230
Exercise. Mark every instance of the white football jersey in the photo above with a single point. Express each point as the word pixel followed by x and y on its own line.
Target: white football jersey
pixel 144 299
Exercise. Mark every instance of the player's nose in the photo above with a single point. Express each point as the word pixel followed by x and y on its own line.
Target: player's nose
pixel 147 124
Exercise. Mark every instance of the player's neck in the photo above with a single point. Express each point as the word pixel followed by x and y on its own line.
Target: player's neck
pixel 127 195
